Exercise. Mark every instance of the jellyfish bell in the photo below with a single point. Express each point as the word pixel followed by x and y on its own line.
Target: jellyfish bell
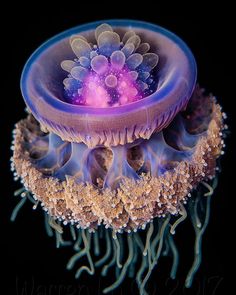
pixel 119 137
pixel 95 116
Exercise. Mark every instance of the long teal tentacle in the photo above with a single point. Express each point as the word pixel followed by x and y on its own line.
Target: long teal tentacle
pixel 124 268
pixel 17 209
pixel 199 231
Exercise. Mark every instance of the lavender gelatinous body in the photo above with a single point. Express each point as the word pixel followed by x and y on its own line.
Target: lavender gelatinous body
pixel 44 94
pixel 119 139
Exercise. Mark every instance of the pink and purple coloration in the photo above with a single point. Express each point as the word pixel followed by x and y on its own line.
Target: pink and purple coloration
pixel 109 84
pixel 113 88
pixel 112 72
pixel 115 143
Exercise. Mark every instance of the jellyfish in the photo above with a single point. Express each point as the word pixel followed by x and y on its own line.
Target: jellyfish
pixel 120 145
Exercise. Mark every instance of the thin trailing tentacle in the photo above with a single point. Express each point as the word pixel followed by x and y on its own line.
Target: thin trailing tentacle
pixel 141 270
pixel 73 233
pixel 52 222
pixel 107 253
pixel 78 242
pixel 60 241
pixel 17 208
pixel 48 228
pixel 175 254
pixel 96 244
pixel 149 234
pixel 195 213
pixel 143 265
pixel 75 258
pixel 90 270
pixel 132 266
pixel 149 253
pixel 112 261
pixel 183 214
pixel 209 188
pixel 156 239
pixel 80 252
pixel 118 251
pixel 146 255
pixel 124 268
pixel 117 272
pixel 167 247
pixel 158 253
pixel 198 240
pixel 139 242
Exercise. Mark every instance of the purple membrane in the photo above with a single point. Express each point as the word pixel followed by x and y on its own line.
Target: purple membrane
pixel 103 108
pixel 161 153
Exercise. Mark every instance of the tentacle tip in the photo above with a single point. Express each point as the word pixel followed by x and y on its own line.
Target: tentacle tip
pixel 69 267
pixel 12 219
pixel 188 284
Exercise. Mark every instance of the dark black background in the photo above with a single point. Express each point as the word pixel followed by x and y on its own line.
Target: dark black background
pixel 28 256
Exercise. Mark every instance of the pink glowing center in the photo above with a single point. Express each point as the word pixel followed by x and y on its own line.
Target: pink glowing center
pixel 112 72
pixel 112 88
